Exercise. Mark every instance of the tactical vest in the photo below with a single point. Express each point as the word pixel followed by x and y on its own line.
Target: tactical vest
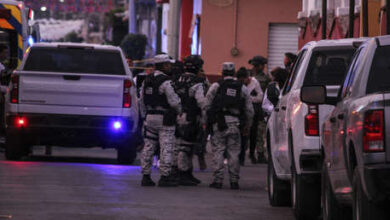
pixel 229 95
pixel 182 88
pixel 151 94
pixel 263 79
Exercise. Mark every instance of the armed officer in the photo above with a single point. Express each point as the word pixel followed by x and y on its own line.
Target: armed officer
pixel 190 88
pixel 229 103
pixel 257 133
pixel 160 104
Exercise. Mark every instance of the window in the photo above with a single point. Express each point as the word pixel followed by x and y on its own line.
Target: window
pixel 75 60
pixel 317 4
pixel 350 75
pixel 379 79
pixel 328 66
pixel 9 38
pixel 294 72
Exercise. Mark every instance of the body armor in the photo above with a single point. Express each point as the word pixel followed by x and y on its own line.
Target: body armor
pixel 182 87
pixel 228 101
pixel 151 94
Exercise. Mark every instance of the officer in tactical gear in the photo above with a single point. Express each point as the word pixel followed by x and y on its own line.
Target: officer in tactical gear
pixel 227 101
pixel 258 128
pixel 159 106
pixel 190 89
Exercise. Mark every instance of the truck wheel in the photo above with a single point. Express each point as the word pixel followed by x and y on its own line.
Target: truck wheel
pixel 306 196
pixel 278 190
pixel 15 148
pixel 126 152
pixel 363 209
pixel 331 210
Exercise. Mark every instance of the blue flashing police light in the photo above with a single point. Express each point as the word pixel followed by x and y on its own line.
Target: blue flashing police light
pixel 30 40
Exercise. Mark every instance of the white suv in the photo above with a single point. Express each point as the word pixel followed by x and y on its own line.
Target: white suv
pixel 72 95
pixel 293 128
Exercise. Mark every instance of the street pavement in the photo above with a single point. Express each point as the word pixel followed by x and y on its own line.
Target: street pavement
pixel 88 184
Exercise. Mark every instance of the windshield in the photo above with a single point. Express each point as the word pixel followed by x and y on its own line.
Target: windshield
pixel 328 66
pixel 75 60
pixel 379 79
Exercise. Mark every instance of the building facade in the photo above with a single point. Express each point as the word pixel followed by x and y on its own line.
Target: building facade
pixel 371 23
pixel 236 30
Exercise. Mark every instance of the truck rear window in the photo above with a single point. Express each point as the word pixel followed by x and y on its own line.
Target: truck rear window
pixel 75 60
pixel 328 66
pixel 379 79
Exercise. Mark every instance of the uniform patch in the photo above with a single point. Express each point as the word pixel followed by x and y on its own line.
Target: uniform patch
pixel 231 92
pixel 149 91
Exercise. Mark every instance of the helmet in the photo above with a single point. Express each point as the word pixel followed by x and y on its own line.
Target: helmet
pixel 177 68
pixel 193 64
pixel 257 60
pixel 228 68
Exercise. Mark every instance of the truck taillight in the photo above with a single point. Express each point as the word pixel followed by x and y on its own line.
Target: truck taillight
pixel 373 134
pixel 311 121
pixel 14 94
pixel 20 122
pixel 126 93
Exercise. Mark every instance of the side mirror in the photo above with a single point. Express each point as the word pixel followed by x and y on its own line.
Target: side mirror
pixel 313 94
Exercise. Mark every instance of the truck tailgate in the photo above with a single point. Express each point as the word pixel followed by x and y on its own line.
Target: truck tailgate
pixel 87 90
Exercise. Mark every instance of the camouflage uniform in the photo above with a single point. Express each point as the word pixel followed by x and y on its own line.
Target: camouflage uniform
pixel 264 80
pixel 229 140
pixel 156 133
pixel 186 147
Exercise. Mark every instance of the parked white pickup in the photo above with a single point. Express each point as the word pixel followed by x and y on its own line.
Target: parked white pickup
pixel 72 95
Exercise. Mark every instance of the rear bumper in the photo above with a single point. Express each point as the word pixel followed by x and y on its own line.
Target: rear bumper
pixel 71 130
pixel 377 179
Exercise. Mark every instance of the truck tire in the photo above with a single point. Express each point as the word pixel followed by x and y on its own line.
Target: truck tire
pixel 331 210
pixel 278 190
pixel 362 208
pixel 126 152
pixel 15 148
pixel 306 196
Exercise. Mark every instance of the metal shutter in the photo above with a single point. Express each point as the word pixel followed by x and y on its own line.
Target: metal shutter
pixel 282 38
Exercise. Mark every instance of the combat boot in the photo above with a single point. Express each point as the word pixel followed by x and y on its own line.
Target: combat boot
pixel 261 158
pixel 253 158
pixel 202 162
pixel 147 181
pixel 166 181
pixel 216 185
pixel 185 179
pixel 193 179
pixel 175 175
pixel 234 186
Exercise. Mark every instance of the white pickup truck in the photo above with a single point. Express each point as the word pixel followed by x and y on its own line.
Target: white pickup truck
pixel 78 95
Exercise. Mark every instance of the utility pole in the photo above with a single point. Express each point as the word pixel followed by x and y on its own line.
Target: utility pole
pixel 324 17
pixel 132 17
pixel 351 18
pixel 387 16
pixel 365 18
pixel 173 28
pixel 159 28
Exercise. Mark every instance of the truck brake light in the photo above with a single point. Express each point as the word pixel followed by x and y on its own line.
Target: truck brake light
pixel 21 122
pixel 373 134
pixel 311 121
pixel 14 95
pixel 126 93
